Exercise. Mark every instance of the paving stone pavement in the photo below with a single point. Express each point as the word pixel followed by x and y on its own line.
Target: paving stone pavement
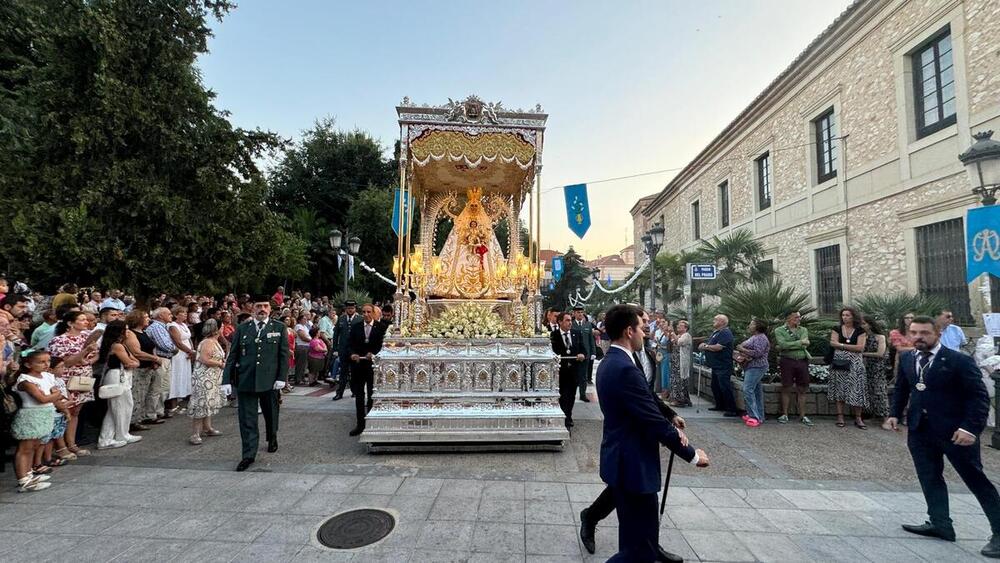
pixel 163 500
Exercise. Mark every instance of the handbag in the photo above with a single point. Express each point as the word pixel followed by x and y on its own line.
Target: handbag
pixel 80 384
pixel 10 401
pixel 840 363
pixel 112 383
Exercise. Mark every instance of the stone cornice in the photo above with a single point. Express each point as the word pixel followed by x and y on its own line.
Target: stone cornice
pixel 827 235
pixel 938 206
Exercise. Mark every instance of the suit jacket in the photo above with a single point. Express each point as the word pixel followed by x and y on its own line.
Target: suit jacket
pixel 585 331
pixel 567 367
pixel 634 427
pixel 665 409
pixel 955 396
pixel 342 333
pixel 256 362
pixel 358 345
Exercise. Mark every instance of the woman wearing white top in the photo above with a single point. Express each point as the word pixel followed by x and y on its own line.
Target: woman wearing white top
pixel 180 363
pixel 302 339
pixel 681 365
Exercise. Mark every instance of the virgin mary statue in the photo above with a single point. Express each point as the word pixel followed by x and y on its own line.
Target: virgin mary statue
pixel 470 254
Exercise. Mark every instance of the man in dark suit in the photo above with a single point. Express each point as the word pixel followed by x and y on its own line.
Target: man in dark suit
pixel 585 329
pixel 258 363
pixel 365 341
pixel 604 504
pixel 551 320
pixel 567 345
pixel 341 337
pixel 633 429
pixel 949 405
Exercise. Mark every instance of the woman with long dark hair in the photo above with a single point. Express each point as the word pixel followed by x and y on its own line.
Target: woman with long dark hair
pixel 848 382
pixel 875 367
pixel 116 364
pixel 70 344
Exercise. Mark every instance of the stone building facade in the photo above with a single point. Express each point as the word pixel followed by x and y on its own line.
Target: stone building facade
pixel 845 168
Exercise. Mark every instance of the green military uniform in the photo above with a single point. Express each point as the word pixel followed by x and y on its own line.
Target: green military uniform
pixel 585 331
pixel 258 357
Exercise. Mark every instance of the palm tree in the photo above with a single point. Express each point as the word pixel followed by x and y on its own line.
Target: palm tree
pixel 737 256
pixel 889 308
pixel 671 276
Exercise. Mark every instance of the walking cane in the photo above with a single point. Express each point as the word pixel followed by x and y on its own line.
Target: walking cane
pixel 666 485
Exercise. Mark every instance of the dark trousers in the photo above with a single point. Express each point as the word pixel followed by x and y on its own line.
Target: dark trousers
pixel 247 412
pixel 362 381
pixel 569 382
pixel 722 389
pixel 586 368
pixel 602 506
pixel 638 526
pixel 301 363
pixel 928 452
pixel 345 372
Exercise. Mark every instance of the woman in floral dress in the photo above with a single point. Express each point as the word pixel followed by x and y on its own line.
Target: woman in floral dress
pixel 70 344
pixel 875 368
pixel 206 381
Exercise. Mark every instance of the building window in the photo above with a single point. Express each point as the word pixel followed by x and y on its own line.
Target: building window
pixel 696 220
pixel 764 181
pixel 941 266
pixel 934 85
pixel 724 204
pixel 826 156
pixel 828 280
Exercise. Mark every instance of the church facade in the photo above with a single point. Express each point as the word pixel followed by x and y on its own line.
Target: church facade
pixel 846 167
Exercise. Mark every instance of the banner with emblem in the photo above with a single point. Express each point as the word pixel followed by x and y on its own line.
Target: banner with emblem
pixel 407 212
pixel 577 208
pixel 982 241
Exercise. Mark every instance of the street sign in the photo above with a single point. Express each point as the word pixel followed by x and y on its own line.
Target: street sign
pixel 703 271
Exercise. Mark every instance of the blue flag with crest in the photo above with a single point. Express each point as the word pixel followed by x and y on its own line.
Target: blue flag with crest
pixel 407 212
pixel 982 241
pixel 577 208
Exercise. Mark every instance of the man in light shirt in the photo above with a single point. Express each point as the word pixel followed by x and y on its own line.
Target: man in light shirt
pixel 952 335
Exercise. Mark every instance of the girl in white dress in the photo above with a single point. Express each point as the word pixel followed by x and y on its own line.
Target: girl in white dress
pixel 180 363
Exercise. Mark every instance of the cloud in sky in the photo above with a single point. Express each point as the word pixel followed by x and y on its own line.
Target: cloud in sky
pixel 630 87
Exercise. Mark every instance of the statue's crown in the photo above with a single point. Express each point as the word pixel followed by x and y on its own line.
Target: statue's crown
pixel 474 193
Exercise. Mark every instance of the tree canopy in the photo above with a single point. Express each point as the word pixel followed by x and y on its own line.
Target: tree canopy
pixel 119 169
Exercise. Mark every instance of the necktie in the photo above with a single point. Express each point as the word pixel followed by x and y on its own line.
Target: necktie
pixel 368 331
pixel 925 358
pixel 567 341
pixel 635 358
pixel 260 326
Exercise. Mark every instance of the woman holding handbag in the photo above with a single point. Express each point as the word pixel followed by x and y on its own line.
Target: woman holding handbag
pixel 70 344
pixel 848 379
pixel 117 364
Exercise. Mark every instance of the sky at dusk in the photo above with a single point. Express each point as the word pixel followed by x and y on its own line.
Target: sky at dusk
pixel 630 87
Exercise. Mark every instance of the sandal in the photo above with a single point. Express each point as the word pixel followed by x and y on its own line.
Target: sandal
pixel 56 462
pixel 30 484
pixel 195 440
pixel 840 423
pixel 78 451
pixel 65 454
pixel 212 432
pixel 41 470
pixel 860 424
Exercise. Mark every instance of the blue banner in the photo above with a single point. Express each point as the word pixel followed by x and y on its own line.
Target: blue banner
pixel 557 267
pixel 577 208
pixel 408 213
pixel 982 241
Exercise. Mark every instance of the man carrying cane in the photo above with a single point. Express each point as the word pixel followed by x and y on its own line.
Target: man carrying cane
pixel 604 504
pixel 633 429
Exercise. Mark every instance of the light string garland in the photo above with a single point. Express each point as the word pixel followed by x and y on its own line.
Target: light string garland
pixel 596 284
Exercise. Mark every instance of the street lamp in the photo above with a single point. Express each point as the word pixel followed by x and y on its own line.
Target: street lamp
pixel 982 162
pixel 652 241
pixel 345 251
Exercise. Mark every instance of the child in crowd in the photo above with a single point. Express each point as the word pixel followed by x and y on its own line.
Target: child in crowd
pixel 34 420
pixel 55 442
pixel 317 355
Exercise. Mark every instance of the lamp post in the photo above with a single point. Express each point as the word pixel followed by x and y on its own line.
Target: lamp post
pixel 653 241
pixel 345 249
pixel 982 163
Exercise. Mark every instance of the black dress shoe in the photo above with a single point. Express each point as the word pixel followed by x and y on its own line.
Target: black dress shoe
pixel 930 530
pixel 357 431
pixel 587 531
pixel 992 549
pixel 715 409
pixel 243 464
pixel 664 555
pixel 584 399
pixel 569 422
pixel 338 396
pixel 272 446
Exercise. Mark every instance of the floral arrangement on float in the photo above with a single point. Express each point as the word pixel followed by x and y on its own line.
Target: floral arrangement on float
pixel 467 320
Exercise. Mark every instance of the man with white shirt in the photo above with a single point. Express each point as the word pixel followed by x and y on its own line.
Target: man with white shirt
pixel 948 407
pixel 113 300
pixel 952 335
pixel 365 341
pixel 568 345
pixel 94 305
pixel 634 427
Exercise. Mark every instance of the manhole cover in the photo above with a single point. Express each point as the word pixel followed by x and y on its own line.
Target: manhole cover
pixel 356 528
